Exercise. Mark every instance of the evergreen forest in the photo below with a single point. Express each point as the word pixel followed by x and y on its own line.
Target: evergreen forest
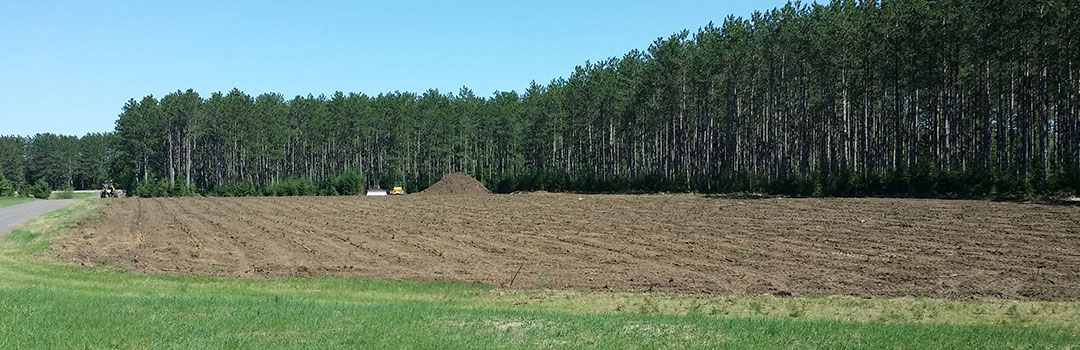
pixel 948 98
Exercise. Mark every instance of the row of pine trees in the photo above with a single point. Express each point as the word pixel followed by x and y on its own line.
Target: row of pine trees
pixel 895 97
pixel 58 160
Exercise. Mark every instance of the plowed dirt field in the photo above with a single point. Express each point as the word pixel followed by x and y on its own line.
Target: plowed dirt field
pixel 676 243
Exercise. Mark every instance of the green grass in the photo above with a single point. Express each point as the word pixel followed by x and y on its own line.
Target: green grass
pixel 74 195
pixel 46 304
pixel 6 201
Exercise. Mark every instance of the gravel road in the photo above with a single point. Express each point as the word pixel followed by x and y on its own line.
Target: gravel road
pixel 11 217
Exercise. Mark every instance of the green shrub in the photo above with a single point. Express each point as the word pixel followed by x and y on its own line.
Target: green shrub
pixel 350 184
pixel 141 189
pixel 7 189
pixel 237 189
pixel 68 192
pixel 41 190
pixel 328 187
pixel 290 187
pixel 180 189
pixel 150 189
pixel 506 185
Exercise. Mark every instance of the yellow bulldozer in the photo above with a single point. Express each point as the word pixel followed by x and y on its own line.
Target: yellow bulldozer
pixel 108 190
pixel 399 188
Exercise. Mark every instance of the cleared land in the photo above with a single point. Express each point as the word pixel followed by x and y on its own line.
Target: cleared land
pixel 48 304
pixel 675 243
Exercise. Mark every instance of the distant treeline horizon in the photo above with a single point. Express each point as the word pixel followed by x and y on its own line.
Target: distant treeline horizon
pixel 902 97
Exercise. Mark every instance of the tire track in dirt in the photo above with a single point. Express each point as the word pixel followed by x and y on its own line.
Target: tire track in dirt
pixel 240 251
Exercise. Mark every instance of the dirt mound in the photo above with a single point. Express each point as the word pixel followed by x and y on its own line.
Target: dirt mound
pixel 457 184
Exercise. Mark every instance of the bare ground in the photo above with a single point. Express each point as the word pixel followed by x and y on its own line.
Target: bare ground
pixel 677 243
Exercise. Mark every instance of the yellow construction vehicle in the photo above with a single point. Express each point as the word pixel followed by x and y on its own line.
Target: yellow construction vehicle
pixel 399 188
pixel 108 190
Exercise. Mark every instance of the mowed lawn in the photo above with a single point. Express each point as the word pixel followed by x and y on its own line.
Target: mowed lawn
pixel 73 195
pixel 6 201
pixel 51 305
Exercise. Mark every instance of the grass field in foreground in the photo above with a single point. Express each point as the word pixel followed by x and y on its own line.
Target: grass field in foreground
pixel 46 304
pixel 6 201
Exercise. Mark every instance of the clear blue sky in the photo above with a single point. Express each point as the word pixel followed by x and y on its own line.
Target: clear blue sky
pixel 68 67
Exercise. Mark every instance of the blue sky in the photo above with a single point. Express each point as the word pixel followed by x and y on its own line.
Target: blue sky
pixel 68 67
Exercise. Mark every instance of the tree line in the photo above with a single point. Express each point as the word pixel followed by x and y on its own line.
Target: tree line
pixel 896 97
pixel 54 161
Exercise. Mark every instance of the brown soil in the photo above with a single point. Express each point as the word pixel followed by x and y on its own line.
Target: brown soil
pixel 676 243
pixel 457 184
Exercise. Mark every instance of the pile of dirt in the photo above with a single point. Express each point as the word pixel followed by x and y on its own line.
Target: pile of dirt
pixel 457 184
